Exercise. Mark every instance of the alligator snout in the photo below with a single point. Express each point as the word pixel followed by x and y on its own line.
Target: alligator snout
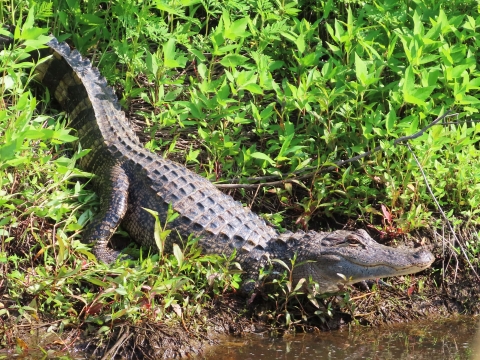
pixel 424 256
pixel 421 259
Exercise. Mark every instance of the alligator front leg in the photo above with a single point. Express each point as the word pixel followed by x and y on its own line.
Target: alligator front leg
pixel 113 191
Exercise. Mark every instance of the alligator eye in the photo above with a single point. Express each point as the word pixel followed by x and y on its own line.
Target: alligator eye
pixel 352 240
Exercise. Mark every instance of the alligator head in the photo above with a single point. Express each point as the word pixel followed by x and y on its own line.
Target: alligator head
pixel 346 257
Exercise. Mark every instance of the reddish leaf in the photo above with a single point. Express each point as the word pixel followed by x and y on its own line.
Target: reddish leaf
pixel 386 214
pixel 94 309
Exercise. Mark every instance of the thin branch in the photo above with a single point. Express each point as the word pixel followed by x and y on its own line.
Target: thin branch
pixel 327 169
pixel 444 216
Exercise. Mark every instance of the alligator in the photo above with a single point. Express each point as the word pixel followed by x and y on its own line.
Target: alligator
pixel 129 179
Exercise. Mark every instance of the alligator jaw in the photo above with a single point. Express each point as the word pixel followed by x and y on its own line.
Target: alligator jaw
pixel 349 257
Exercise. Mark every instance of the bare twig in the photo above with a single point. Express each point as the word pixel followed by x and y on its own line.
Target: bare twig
pixel 110 354
pixel 337 164
pixel 254 196
pixel 444 216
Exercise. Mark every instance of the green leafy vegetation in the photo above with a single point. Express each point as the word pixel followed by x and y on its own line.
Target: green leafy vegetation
pixel 240 92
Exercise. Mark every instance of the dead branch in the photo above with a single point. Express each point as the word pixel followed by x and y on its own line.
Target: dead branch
pixel 317 170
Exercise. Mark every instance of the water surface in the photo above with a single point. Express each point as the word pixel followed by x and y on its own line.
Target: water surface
pixel 445 339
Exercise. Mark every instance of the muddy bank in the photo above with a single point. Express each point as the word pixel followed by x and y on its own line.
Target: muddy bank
pixel 143 340
pixel 230 315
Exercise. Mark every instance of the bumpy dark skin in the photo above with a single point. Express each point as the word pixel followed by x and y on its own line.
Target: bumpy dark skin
pixel 129 179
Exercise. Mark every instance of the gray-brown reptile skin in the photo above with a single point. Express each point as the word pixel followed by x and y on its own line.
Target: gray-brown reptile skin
pixel 129 179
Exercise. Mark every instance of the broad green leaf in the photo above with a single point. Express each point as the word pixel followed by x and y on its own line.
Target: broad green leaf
pixel 73 271
pixel 288 317
pixel 170 58
pixel 151 62
pixel 254 88
pixel 459 69
pixel 299 284
pixel 309 59
pixel 281 262
pixel 290 36
pixel 418 28
pixel 245 77
pixel 232 60
pixel 198 54
pixel 161 5
pixel 468 99
pixel 203 71
pixel 119 313
pixel 172 95
pixel 29 21
pixel 409 79
pixel 157 231
pixel 236 29
pixel 63 136
pixel 326 8
pixel 300 42
pixel 178 255
pixel 195 110
pixel 410 93
pixel 361 70
pixel 339 31
pixel 7 151
pixel 418 96
pixel 428 58
pixel 121 290
pixel 89 256
pixel 262 156
pixel 390 121
pixel 285 146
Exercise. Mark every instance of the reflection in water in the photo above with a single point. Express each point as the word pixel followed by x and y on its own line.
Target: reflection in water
pixel 448 339
pixel 476 345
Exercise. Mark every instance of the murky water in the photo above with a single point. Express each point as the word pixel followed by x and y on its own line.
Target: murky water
pixel 447 339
